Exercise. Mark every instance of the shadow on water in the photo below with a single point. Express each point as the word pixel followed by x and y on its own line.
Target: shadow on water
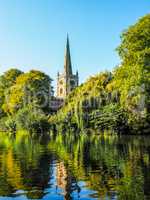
pixel 74 167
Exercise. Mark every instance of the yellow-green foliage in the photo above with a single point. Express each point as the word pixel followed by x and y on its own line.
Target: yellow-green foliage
pixel 26 90
pixel 7 80
pixel 25 101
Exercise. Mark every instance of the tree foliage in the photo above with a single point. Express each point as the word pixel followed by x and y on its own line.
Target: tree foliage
pixel 33 87
pixel 7 80
pixel 132 78
pixel 25 100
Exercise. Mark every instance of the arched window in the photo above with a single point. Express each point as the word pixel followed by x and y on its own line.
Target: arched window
pixel 61 91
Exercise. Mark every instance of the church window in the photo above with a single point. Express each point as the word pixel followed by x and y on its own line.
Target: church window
pixel 61 91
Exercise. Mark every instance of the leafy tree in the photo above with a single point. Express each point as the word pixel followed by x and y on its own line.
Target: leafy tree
pixel 34 88
pixel 32 119
pixel 132 78
pixel 7 80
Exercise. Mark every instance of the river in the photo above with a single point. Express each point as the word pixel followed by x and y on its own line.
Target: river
pixel 73 166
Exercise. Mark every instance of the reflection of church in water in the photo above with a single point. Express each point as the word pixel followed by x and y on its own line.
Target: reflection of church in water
pixel 66 181
pixel 67 80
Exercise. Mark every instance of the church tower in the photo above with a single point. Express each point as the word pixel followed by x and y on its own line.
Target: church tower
pixel 66 81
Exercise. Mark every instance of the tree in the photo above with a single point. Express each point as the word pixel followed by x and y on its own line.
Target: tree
pixel 33 88
pixel 7 80
pixel 132 78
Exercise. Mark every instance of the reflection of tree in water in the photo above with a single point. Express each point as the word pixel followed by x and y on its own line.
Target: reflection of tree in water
pixel 25 166
pixel 37 177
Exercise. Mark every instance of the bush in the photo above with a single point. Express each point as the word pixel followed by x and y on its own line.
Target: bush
pixel 32 121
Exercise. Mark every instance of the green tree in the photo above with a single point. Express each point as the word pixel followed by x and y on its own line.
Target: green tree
pixel 33 88
pixel 7 80
pixel 132 78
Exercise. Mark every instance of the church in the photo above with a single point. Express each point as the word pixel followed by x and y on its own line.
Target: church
pixel 66 81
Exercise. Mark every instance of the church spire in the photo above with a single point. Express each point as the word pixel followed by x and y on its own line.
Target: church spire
pixel 67 64
pixel 66 81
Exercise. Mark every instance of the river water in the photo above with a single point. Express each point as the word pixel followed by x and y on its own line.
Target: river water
pixel 74 167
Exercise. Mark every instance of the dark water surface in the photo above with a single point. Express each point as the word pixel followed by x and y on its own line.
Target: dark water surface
pixel 75 167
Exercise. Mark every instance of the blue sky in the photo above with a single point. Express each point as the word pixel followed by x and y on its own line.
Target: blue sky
pixel 33 33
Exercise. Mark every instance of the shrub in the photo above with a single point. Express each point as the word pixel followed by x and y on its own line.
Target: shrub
pixel 32 121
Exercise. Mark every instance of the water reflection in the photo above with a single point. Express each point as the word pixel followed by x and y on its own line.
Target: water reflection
pixel 75 167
